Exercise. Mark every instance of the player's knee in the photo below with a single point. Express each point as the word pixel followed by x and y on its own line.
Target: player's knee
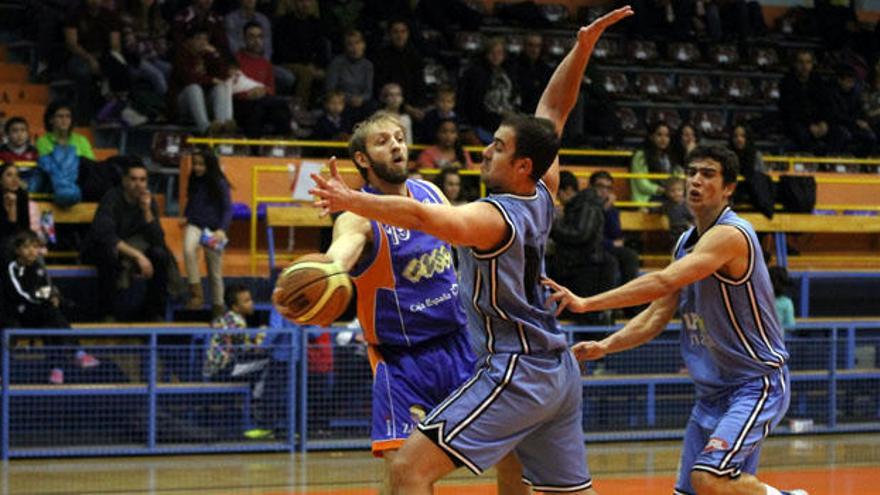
pixel 706 483
pixel 402 472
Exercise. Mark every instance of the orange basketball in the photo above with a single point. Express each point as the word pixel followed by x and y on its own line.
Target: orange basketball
pixel 312 291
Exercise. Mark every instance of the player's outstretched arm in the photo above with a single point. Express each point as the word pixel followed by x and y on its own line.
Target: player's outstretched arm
pixel 478 225
pixel 351 233
pixel 642 329
pixel 718 246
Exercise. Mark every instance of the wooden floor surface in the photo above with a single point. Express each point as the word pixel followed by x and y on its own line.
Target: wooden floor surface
pixel 825 465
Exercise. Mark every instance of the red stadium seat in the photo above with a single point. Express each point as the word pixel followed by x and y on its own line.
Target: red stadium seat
pixel 737 88
pixel 694 87
pixel 670 116
pixel 645 51
pixel 683 53
pixel 653 85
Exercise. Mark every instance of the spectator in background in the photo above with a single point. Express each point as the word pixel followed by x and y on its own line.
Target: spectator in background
pixel 653 157
pixel 848 113
pixel 199 14
pixel 804 106
pixel 334 124
pixel 301 45
pixel 236 22
pixel 145 43
pixel 871 98
pixel 674 207
pixel 14 209
pixel 756 188
pixel 18 147
pixel 784 305
pixel 400 62
pixel 487 91
pixel 447 151
pixel 532 72
pixel 449 182
pixel 207 217
pixel 200 70
pixel 392 100
pixel 686 139
pixel 577 234
pixel 126 239
pixel 58 122
pixel 31 301
pixel 443 109
pixel 352 74
pixel 256 105
pixel 613 242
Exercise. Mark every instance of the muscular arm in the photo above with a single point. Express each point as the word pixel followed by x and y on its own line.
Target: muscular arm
pixel 351 233
pixel 644 327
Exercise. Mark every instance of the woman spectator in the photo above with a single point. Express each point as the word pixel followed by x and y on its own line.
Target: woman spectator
pixel 653 157
pixel 14 209
pixel 756 188
pixel 144 40
pixel 207 215
pixel 446 152
pixel 58 121
pixel 686 139
pixel 449 182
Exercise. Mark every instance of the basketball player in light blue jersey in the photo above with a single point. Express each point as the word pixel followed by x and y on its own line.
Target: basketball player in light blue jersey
pixel 731 340
pixel 526 395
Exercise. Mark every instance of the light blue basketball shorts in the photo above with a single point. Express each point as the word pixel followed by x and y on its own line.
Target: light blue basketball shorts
pixel 724 435
pixel 529 404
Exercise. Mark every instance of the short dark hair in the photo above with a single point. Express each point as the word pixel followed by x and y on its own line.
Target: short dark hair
pixel 567 180
pixel 536 138
pixel 726 158
pixel 12 121
pixel 25 237
pixel 779 279
pixel 51 109
pixel 131 162
pixel 196 29
pixel 230 295
pixel 598 175
pixel 251 24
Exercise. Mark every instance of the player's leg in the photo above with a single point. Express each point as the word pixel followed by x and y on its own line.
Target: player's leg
pixel 388 458
pixel 509 476
pixel 418 465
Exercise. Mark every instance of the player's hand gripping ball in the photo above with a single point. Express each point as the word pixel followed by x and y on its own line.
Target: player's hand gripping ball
pixel 312 291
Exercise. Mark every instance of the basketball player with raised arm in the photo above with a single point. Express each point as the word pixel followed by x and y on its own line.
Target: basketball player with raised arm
pixel 731 340
pixel 526 394
pixel 407 300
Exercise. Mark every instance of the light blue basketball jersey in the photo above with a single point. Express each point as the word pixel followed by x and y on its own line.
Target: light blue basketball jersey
pixel 730 331
pixel 502 290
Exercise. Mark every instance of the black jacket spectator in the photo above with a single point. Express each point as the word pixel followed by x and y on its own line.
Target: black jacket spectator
pixel 487 90
pixel 804 106
pixel 400 62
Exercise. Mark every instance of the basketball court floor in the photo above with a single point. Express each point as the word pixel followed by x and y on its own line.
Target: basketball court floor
pixel 825 465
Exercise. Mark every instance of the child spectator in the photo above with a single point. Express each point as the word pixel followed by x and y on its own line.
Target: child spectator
pixel 58 121
pixel 652 157
pixel 446 152
pixel 334 124
pixel 30 301
pixel 18 147
pixel 392 102
pixel 449 182
pixel 352 74
pixel 675 208
pixel 784 305
pixel 208 214
pixel 443 109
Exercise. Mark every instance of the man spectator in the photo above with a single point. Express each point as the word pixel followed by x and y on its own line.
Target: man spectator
pixel 352 74
pixel 200 14
pixel 301 45
pixel 804 108
pixel 235 23
pixel 400 62
pixel 848 113
pixel 487 91
pixel 532 72
pixel 258 105
pixel 577 234
pixel 18 147
pixel 627 259
pixel 126 239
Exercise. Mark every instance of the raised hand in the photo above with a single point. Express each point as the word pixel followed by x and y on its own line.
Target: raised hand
pixel 333 193
pixel 588 351
pixel 563 297
pixel 589 35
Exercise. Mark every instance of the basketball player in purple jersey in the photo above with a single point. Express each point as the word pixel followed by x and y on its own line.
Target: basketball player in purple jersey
pixel 731 340
pixel 526 394
pixel 407 300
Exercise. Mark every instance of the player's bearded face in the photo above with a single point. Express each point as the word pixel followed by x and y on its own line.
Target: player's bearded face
pixel 392 171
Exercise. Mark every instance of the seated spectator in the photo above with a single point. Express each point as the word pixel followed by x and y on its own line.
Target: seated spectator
pixel 653 157
pixel 449 182
pixel 532 72
pixel 31 301
pixel 235 23
pixel 871 98
pixel 686 139
pixel 145 43
pixel 352 74
pixel 756 189
pixel 14 209
pixel 199 14
pixel 334 124
pixel 200 69
pixel 784 305
pixel 58 121
pixel 256 105
pixel 400 62
pixel 301 45
pixel 447 151
pixel 676 210
pixel 18 147
pixel 848 113
pixel 577 234
pixel 613 241
pixel 207 217
pixel 487 91
pixel 804 107
pixel 126 239
pixel 392 101
pixel 443 109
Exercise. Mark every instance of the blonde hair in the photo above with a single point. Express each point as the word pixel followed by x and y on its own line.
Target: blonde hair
pixel 362 129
